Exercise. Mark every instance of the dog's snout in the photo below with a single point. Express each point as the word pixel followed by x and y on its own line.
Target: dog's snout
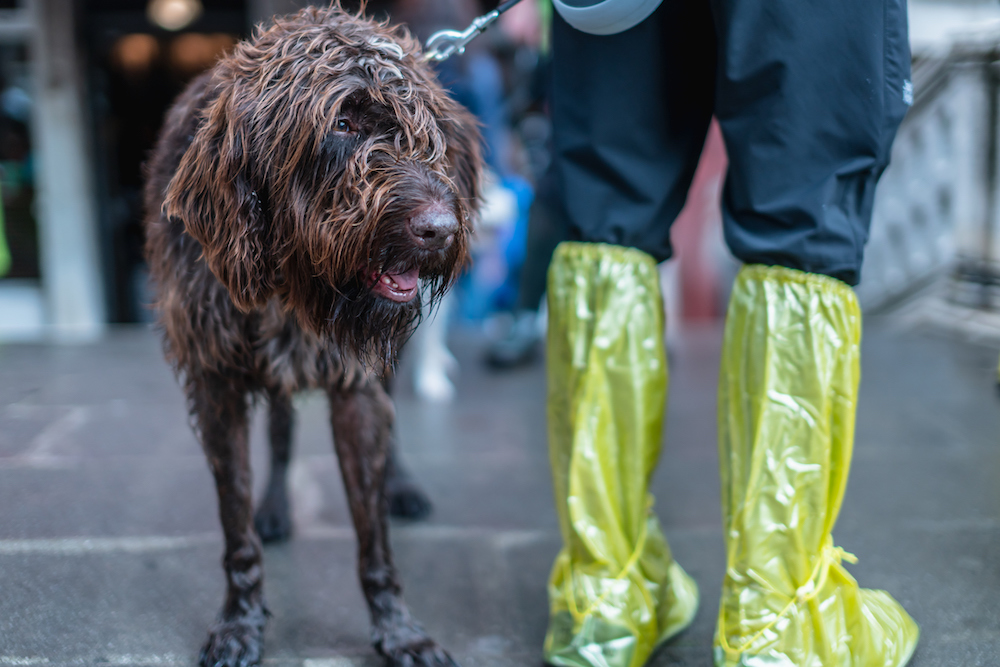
pixel 433 228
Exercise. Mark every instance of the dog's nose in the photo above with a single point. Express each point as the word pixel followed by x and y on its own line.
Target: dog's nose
pixel 433 228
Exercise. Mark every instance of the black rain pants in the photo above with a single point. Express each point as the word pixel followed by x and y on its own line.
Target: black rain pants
pixel 809 94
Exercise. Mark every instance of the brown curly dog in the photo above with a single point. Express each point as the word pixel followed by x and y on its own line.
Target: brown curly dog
pixel 300 195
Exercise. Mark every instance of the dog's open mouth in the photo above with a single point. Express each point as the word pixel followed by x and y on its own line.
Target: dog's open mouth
pixel 399 287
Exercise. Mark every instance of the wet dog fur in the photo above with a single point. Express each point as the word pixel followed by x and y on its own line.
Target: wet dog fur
pixel 298 192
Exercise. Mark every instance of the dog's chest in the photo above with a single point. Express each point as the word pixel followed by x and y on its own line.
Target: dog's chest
pixel 293 359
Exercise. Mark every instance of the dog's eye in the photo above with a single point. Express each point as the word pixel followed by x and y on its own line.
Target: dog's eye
pixel 344 125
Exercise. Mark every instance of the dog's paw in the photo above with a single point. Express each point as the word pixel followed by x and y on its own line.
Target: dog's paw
pixel 409 646
pixel 233 644
pixel 273 520
pixel 430 655
pixel 407 500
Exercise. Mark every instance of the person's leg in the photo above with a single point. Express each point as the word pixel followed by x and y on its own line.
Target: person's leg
pixel 615 591
pixel 546 230
pixel 630 113
pixel 809 98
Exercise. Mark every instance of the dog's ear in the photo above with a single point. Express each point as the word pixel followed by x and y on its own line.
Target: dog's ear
pixel 212 193
pixel 464 152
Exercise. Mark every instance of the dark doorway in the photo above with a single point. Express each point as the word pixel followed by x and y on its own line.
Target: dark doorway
pixel 136 69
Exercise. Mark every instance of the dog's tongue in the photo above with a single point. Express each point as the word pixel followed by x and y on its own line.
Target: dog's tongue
pixel 406 281
pixel 399 287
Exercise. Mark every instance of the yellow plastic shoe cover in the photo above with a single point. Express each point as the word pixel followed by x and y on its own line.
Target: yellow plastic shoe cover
pixel 615 592
pixel 4 252
pixel 787 393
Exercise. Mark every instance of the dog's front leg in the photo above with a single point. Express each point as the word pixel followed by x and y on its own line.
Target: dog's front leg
pixel 362 428
pixel 220 412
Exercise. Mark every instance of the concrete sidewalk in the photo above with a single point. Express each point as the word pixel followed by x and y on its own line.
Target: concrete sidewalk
pixel 110 546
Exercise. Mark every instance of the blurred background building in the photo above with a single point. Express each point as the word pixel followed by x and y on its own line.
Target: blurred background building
pixel 83 88
pixel 84 85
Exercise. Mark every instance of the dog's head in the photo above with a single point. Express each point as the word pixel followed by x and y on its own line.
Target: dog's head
pixel 331 170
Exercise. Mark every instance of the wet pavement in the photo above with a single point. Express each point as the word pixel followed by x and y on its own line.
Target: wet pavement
pixel 110 546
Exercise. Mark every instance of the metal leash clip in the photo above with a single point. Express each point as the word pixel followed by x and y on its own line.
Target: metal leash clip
pixel 445 43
